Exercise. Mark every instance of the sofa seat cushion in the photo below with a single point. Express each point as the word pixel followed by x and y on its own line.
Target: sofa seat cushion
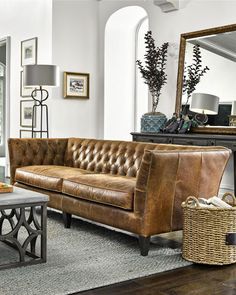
pixel 117 191
pixel 49 177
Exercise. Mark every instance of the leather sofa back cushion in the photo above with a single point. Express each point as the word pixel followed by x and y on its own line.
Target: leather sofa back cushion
pixel 105 156
pixel 113 157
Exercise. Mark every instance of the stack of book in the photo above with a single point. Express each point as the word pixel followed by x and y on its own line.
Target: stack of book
pixel 5 188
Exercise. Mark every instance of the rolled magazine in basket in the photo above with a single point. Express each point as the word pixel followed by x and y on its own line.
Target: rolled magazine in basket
pixel 216 201
pixel 213 202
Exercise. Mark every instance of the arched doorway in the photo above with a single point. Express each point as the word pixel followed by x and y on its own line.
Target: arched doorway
pixel 126 96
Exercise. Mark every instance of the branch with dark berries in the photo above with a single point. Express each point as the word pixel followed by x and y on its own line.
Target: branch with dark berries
pixel 193 74
pixel 154 70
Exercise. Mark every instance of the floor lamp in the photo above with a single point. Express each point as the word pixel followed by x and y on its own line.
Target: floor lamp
pixel 39 76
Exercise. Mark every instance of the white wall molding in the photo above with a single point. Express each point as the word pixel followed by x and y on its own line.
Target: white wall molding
pixel 168 5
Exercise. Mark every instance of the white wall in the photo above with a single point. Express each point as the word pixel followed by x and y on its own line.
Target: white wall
pixel 106 9
pixel 22 20
pixel 142 92
pixel 120 72
pixel 75 49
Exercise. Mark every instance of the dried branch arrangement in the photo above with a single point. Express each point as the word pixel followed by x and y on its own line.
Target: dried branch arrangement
pixel 154 70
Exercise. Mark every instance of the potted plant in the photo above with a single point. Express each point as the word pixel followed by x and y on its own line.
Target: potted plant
pixel 153 73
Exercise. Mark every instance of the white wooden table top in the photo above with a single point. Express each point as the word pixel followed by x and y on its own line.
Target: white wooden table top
pixel 21 196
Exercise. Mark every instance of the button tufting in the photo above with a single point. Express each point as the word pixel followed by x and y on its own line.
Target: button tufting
pixel 109 157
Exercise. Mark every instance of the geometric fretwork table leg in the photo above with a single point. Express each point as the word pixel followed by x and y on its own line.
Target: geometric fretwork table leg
pixel 36 229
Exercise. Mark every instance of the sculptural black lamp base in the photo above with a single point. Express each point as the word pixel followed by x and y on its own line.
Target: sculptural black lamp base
pixel 204 104
pixel 43 109
pixel 40 75
pixel 201 118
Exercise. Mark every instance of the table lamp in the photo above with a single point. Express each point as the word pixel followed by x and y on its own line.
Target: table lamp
pixel 39 76
pixel 204 104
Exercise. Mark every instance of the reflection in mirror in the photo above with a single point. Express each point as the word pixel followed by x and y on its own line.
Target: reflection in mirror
pixel 218 52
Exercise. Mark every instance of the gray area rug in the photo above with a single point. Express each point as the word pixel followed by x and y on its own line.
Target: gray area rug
pixel 83 257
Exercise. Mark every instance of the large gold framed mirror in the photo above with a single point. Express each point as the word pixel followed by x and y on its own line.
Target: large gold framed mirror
pixel 218 50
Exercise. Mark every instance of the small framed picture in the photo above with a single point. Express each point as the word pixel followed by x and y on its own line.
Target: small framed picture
pixel 29 51
pixel 26 113
pixel 76 85
pixel 24 91
pixel 26 133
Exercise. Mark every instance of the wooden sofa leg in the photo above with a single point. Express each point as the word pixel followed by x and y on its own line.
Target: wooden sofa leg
pixel 66 219
pixel 144 244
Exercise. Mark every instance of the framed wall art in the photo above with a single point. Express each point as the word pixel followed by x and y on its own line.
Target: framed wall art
pixel 24 91
pixel 76 85
pixel 26 113
pixel 29 51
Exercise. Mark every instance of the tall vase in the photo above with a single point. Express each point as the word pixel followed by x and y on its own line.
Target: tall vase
pixel 152 122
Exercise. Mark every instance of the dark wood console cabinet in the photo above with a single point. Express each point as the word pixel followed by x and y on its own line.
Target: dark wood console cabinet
pixel 226 140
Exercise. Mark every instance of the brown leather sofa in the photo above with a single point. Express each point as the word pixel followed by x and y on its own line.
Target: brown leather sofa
pixel 137 187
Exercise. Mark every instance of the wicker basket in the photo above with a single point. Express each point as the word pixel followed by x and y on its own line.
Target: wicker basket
pixel 209 235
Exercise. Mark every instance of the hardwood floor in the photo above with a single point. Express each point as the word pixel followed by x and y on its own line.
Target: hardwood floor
pixel 190 280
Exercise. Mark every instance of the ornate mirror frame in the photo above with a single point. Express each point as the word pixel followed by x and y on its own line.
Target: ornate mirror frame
pixel 183 39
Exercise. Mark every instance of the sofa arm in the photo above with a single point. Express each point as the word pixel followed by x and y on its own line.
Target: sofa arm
pixel 34 151
pixel 167 178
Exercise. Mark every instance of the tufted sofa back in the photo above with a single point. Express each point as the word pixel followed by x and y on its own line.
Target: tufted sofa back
pixel 36 151
pixel 107 156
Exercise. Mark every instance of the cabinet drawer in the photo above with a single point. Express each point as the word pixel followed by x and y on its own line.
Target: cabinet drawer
pixel 193 141
pixel 152 139
pixel 229 144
